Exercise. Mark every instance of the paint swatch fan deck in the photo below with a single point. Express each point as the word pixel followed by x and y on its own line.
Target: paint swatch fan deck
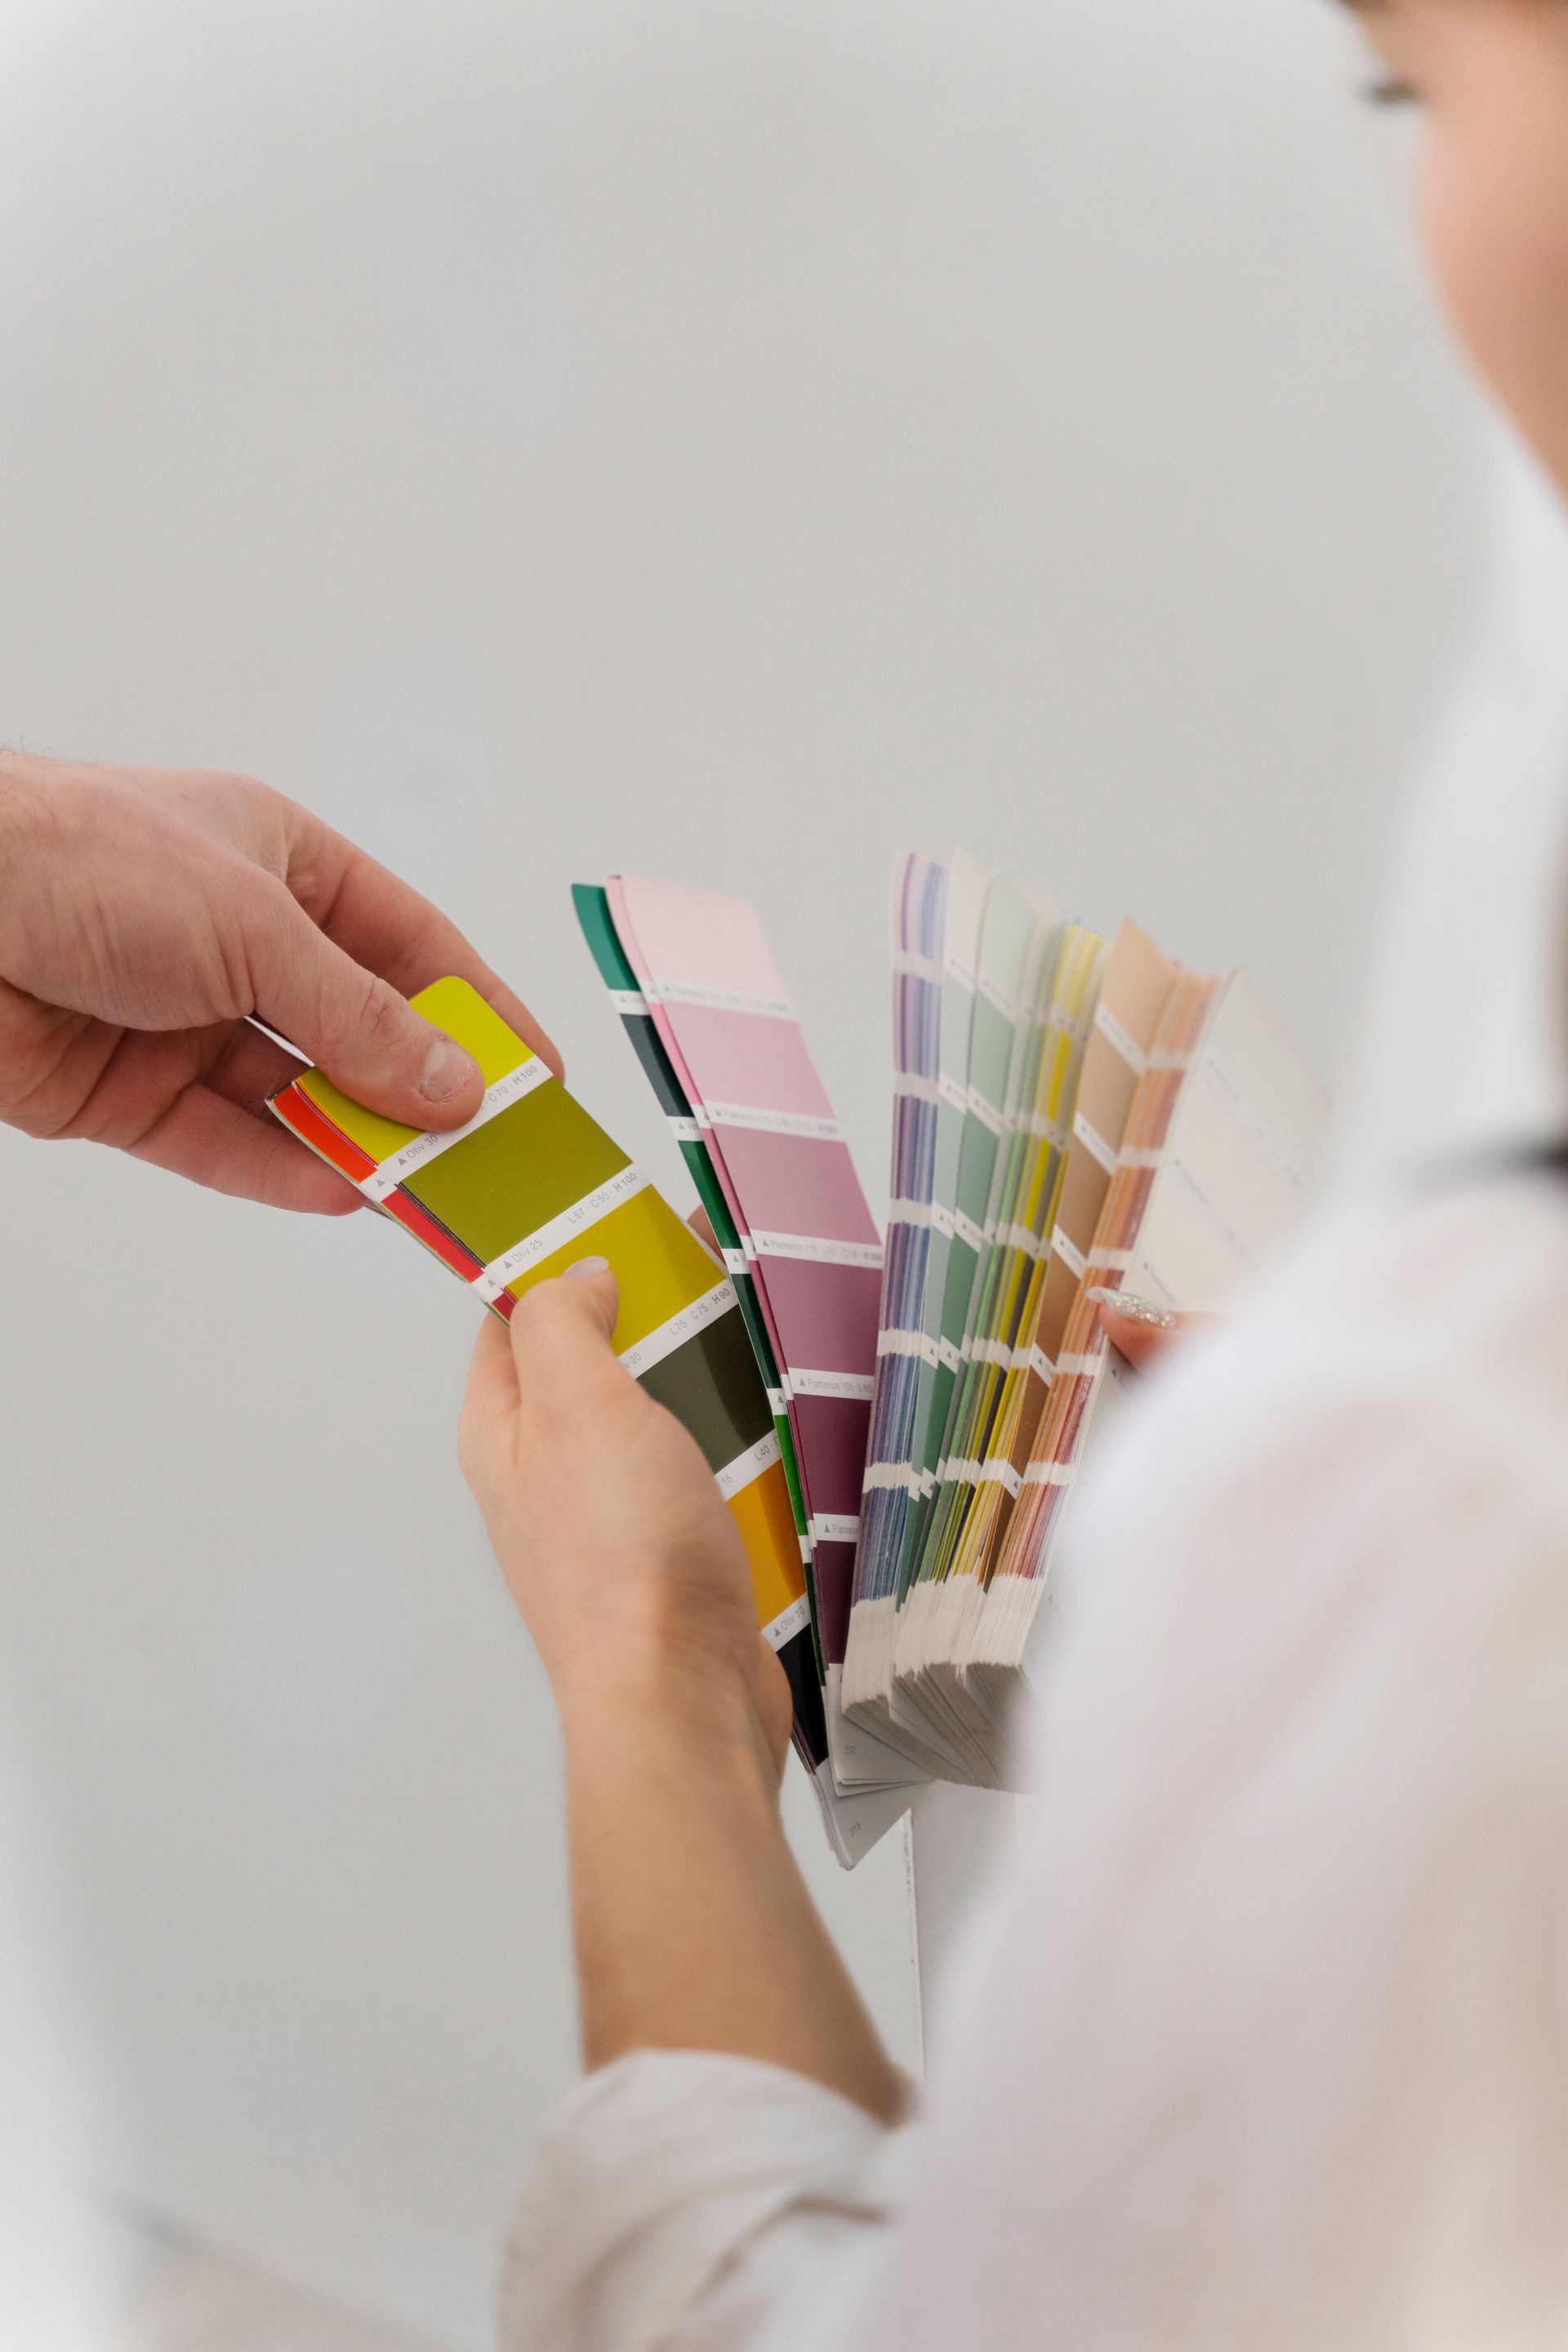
pixel 896 1428
pixel 528 1187
pixel 710 1021
pixel 1072 1113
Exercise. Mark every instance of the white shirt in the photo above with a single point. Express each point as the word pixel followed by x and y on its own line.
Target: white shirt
pixel 1264 2044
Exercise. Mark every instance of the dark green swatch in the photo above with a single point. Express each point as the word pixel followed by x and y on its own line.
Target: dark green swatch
pixel 711 1385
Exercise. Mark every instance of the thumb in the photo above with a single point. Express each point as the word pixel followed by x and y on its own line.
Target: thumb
pixel 561 1333
pixel 354 1026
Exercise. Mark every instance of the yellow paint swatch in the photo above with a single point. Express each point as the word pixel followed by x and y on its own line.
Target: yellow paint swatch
pixel 660 1264
pixel 453 1006
pixel 767 1529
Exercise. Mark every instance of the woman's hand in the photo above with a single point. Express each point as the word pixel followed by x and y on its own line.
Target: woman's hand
pixel 693 1928
pixel 145 914
pixel 617 1546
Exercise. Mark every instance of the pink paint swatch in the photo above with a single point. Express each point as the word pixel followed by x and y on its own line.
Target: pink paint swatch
pixel 719 1002
pixel 745 1060
pixel 791 1184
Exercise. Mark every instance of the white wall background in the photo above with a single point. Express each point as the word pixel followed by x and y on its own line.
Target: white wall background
pixel 556 436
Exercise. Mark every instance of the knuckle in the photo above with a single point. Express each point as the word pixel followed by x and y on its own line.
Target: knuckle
pixel 382 1011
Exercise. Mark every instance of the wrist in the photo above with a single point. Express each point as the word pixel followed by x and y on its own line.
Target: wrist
pixel 652 1649
pixel 686 1703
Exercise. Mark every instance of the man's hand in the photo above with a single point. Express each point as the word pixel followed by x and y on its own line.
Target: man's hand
pixel 144 915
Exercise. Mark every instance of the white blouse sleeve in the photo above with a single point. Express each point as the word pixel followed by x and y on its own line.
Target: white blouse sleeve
pixel 1262 2043
pixel 680 2199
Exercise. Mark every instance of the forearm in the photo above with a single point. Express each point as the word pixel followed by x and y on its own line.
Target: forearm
pixel 694 1929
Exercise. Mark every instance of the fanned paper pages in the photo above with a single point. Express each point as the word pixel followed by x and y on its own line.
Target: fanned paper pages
pixel 968 954
pixel 896 1429
pixel 709 1018
pixel 1069 1112
pixel 530 1185
pixel 1218 1151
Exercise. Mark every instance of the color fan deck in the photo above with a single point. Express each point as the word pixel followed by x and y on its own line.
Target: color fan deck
pixel 895 1431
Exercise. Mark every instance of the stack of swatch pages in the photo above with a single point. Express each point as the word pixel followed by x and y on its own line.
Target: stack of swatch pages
pixel 895 1430
pixel 532 1184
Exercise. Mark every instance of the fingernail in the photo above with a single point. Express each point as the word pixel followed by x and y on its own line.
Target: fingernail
pixel 447 1067
pixel 588 1266
pixel 1136 1310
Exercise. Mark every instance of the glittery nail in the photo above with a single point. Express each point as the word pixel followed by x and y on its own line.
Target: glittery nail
pixel 1135 1309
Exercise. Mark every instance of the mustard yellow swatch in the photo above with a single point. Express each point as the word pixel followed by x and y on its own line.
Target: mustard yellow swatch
pixel 449 1004
pixel 767 1529
pixel 658 1262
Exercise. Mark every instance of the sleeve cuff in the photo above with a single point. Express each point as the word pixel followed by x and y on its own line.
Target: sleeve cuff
pixel 655 2177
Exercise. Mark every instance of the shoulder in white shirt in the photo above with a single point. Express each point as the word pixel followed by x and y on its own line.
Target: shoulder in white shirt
pixel 1264 2042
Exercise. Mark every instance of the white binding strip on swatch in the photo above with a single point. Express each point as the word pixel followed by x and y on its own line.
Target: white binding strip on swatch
pixel 1071 1257
pixel 628 1002
pixel 910 965
pixel 735 1261
pixel 1045 1131
pixel 577 1219
pixel 894 1342
pixel 685 1131
pixel 852 1388
pixel 721 1000
pixel 1111 1261
pixel 1032 1359
pixel 833 1527
pixel 653 1347
pixel 810 1250
pixel 747 1467
pixel 923 1214
pixel 991 1351
pixel 1048 1473
pixel 788 1624
pixel 985 1474
pixel 409 1157
pixel 759 1121
pixel 1123 1042
pixel 890 1478
pixel 1094 1143
pixel 917 1089
pixel 979 1473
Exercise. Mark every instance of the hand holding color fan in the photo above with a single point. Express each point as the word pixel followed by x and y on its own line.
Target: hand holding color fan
pixel 530 1185
pixel 894 1431
pixel 1070 1115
